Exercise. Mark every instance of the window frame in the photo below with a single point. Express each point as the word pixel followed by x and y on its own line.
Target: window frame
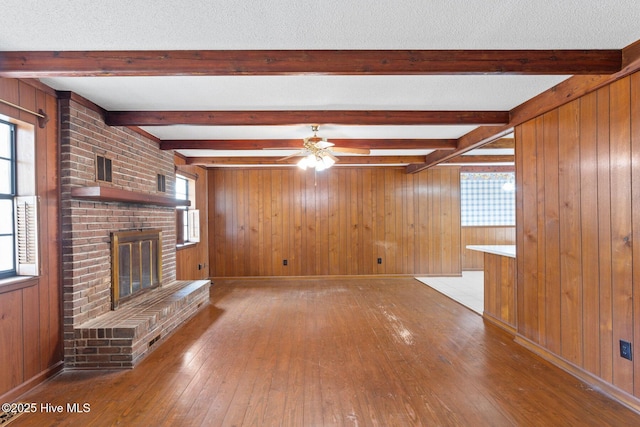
pixel 187 217
pixel 11 196
pixel 25 215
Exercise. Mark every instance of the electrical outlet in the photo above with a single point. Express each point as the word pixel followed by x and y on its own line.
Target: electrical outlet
pixel 625 350
pixel 379 260
pixel 285 262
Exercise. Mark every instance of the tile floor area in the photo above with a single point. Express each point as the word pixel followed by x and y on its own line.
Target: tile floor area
pixel 468 290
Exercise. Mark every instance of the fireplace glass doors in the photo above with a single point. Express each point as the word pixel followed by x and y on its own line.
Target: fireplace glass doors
pixel 136 263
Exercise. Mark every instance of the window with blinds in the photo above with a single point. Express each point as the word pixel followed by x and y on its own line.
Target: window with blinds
pixel 187 217
pixel 7 195
pixel 18 211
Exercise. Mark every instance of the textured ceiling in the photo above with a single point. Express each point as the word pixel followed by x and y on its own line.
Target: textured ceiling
pixel 27 25
pixel 321 24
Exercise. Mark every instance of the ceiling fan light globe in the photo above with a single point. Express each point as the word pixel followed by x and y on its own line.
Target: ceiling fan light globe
pixel 327 162
pixel 302 164
pixel 311 160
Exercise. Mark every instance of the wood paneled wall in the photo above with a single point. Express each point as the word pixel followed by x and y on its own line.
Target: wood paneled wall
pixel 578 232
pixel 192 262
pixel 335 222
pixel 474 260
pixel 499 291
pixel 30 310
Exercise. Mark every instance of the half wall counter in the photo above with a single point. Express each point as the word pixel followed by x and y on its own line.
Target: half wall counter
pixel 499 284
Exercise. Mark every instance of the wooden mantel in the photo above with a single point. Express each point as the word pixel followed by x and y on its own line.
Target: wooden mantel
pixel 111 194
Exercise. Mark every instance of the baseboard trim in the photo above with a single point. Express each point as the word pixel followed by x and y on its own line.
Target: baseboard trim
pixel 499 323
pixel 337 276
pixel 21 389
pixel 597 383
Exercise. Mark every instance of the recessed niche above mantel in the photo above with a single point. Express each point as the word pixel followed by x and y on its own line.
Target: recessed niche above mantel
pixel 111 194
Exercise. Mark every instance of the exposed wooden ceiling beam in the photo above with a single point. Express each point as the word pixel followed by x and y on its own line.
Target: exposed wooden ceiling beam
pixel 344 160
pixel 474 139
pixel 501 158
pixel 573 88
pixel 296 117
pixel 564 92
pixel 38 64
pixel 502 143
pixel 259 144
pixel 631 58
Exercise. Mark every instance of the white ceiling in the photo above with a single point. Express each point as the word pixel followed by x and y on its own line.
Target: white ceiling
pixel 323 24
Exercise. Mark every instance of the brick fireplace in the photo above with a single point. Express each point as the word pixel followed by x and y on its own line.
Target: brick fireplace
pixel 136 264
pixel 95 336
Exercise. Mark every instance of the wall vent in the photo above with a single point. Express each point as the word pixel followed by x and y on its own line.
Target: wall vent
pixel 153 341
pixel 103 169
pixel 162 183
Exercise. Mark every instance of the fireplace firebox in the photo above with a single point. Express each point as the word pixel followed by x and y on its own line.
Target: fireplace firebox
pixel 136 263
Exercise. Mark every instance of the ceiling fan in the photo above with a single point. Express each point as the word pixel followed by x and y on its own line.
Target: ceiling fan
pixel 317 152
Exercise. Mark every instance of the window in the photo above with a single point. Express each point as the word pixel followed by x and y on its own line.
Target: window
pixel 187 217
pixel 7 195
pixel 18 227
pixel 487 199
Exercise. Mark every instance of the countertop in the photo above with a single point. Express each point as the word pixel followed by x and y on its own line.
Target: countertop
pixel 504 250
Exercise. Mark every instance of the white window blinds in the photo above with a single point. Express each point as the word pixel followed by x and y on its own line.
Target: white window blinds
pixel 26 214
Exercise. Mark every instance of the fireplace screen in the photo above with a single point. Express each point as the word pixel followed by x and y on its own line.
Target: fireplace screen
pixel 136 263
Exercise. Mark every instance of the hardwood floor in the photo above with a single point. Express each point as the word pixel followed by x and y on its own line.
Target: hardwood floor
pixel 316 352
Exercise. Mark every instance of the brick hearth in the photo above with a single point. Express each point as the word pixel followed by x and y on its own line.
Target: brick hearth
pixel 121 338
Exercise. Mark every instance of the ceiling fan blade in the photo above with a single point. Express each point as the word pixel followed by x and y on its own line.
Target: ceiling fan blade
pixel 299 153
pixel 335 159
pixel 322 144
pixel 351 150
